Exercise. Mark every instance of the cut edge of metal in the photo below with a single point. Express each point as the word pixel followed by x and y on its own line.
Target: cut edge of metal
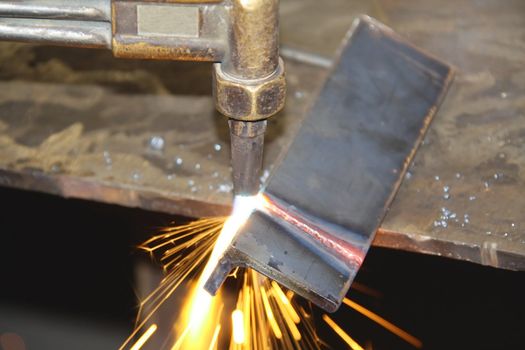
pixel 108 193
pixel 488 253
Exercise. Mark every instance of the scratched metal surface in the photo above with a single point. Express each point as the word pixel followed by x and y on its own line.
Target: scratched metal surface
pixel 81 124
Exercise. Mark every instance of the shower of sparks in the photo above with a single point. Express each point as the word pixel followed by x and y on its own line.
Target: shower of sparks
pixel 263 317
pixel 183 251
pixel 268 322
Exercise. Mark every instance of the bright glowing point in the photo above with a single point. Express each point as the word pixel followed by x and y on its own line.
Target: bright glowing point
pixel 200 306
pixel 144 338
pixel 238 327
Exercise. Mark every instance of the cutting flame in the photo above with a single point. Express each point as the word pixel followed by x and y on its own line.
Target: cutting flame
pixel 243 208
pixel 264 316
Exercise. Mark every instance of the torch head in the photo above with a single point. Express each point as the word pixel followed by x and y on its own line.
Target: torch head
pixel 312 224
pixel 250 86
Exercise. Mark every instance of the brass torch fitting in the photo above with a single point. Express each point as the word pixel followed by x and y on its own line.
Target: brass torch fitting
pixel 249 85
pixel 246 99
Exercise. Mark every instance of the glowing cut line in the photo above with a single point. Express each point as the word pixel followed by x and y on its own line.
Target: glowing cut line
pixel 144 338
pixel 347 252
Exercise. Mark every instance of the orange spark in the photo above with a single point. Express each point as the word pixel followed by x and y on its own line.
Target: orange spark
pixel 269 313
pixel 386 324
pixel 144 338
pixel 351 342
pixel 215 338
pixel 286 302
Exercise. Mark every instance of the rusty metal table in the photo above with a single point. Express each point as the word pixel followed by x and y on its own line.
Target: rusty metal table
pixel 81 124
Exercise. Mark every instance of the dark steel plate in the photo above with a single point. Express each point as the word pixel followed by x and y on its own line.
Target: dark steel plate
pixel 63 111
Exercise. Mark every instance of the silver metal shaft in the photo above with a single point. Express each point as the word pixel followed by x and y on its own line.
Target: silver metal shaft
pixel 57 32
pixel 247 144
pixel 81 23
pixel 89 10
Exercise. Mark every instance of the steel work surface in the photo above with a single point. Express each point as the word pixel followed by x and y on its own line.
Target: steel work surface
pixel 81 124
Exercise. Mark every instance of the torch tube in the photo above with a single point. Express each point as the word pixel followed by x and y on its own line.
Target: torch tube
pixel 88 10
pixel 57 32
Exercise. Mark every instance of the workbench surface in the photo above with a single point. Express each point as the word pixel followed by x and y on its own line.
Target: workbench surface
pixel 82 124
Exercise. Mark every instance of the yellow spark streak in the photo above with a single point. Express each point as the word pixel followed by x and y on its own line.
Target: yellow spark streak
pixel 351 342
pixel 269 314
pixel 246 295
pixel 202 234
pixel 214 339
pixel 238 327
pixel 386 324
pixel 258 321
pixel 286 302
pixel 286 315
pixel 144 338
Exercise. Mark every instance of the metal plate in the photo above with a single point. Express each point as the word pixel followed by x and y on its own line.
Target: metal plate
pixel 121 104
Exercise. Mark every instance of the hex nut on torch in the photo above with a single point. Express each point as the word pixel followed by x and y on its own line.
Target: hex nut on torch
pixel 249 100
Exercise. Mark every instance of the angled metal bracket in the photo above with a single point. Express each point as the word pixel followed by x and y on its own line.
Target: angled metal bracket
pixel 328 195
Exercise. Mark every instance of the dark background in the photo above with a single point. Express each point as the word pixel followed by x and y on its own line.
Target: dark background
pixel 67 282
